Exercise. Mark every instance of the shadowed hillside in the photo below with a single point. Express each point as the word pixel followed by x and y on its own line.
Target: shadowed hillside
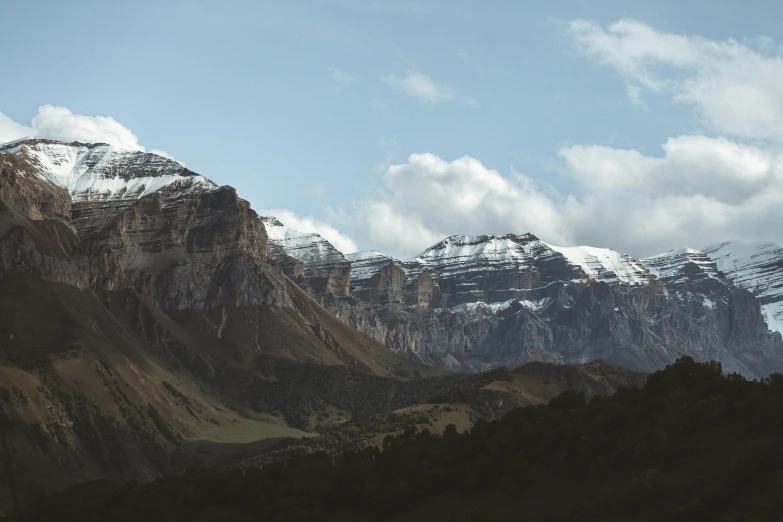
pixel 691 445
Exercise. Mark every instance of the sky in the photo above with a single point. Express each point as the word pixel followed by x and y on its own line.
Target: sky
pixel 390 125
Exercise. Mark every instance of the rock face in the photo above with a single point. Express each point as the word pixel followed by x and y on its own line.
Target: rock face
pixel 758 268
pixel 167 233
pixel 475 302
pixel 308 259
pixel 145 223
pixel 108 220
pixel 492 269
pixel 99 172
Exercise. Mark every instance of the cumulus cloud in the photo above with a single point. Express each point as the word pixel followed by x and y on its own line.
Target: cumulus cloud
pixel 425 89
pixel 701 190
pixel 698 191
pixel 59 123
pixel 10 130
pixel 294 221
pixel 428 198
pixel 342 79
pixel 734 87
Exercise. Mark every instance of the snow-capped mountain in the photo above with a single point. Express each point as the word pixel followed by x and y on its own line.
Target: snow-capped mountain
pixel 489 300
pixel 456 254
pixel 306 256
pixel 98 172
pixel 494 269
pixel 758 268
pixel 468 302
pixel 670 266
pixel 364 265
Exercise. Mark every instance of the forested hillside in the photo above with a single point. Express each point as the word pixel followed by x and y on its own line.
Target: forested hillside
pixel 692 444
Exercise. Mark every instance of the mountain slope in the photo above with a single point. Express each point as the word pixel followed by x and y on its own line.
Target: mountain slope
pixel 99 172
pixel 690 445
pixel 758 268
pixel 476 302
pixel 132 320
pixel 308 257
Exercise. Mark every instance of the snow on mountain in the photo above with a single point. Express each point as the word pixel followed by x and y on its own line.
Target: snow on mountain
pixel 99 172
pixel 669 265
pixel 323 266
pixel 603 264
pixel 458 254
pixel 758 268
pixel 307 247
pixel 464 253
pixel 366 264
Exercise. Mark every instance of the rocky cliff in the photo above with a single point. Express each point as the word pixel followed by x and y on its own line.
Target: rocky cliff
pixel 308 259
pixel 476 302
pixel 758 268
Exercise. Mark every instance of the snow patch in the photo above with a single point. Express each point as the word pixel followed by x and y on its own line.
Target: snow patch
pixel 603 264
pixel 102 172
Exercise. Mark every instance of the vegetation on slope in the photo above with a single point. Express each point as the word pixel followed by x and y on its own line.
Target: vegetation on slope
pixel 692 444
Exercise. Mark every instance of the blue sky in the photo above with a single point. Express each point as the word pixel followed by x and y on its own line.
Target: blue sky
pixel 314 109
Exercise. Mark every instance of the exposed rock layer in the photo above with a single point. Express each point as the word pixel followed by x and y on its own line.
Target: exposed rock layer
pixel 506 300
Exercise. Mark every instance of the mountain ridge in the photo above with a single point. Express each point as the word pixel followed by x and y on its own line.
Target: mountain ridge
pixel 434 304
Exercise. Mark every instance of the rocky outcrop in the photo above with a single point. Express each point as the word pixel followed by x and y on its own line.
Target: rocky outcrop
pixel 99 172
pixel 758 268
pixel 199 249
pixel 189 248
pixel 508 300
pixel 308 259
pixel 491 269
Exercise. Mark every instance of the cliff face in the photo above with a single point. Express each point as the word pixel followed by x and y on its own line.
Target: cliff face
pixel 308 259
pixel 466 303
pixel 758 268
pixel 476 302
pixel 197 250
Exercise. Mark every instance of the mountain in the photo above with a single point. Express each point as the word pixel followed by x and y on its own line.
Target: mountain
pixel 758 268
pixel 476 302
pixel 139 311
pixel 98 172
pixel 147 313
pixel 308 258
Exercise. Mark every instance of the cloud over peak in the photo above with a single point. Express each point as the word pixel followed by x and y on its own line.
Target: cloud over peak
pixel 700 190
pixel 309 224
pixel 60 124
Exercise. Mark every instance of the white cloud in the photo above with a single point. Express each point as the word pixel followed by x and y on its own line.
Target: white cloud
pixel 340 241
pixel 702 190
pixel 425 89
pixel 10 130
pixel 428 199
pixel 342 79
pixel 734 87
pixel 60 124
pixel 699 191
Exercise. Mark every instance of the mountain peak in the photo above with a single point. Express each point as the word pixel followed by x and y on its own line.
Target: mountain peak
pixel 100 172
